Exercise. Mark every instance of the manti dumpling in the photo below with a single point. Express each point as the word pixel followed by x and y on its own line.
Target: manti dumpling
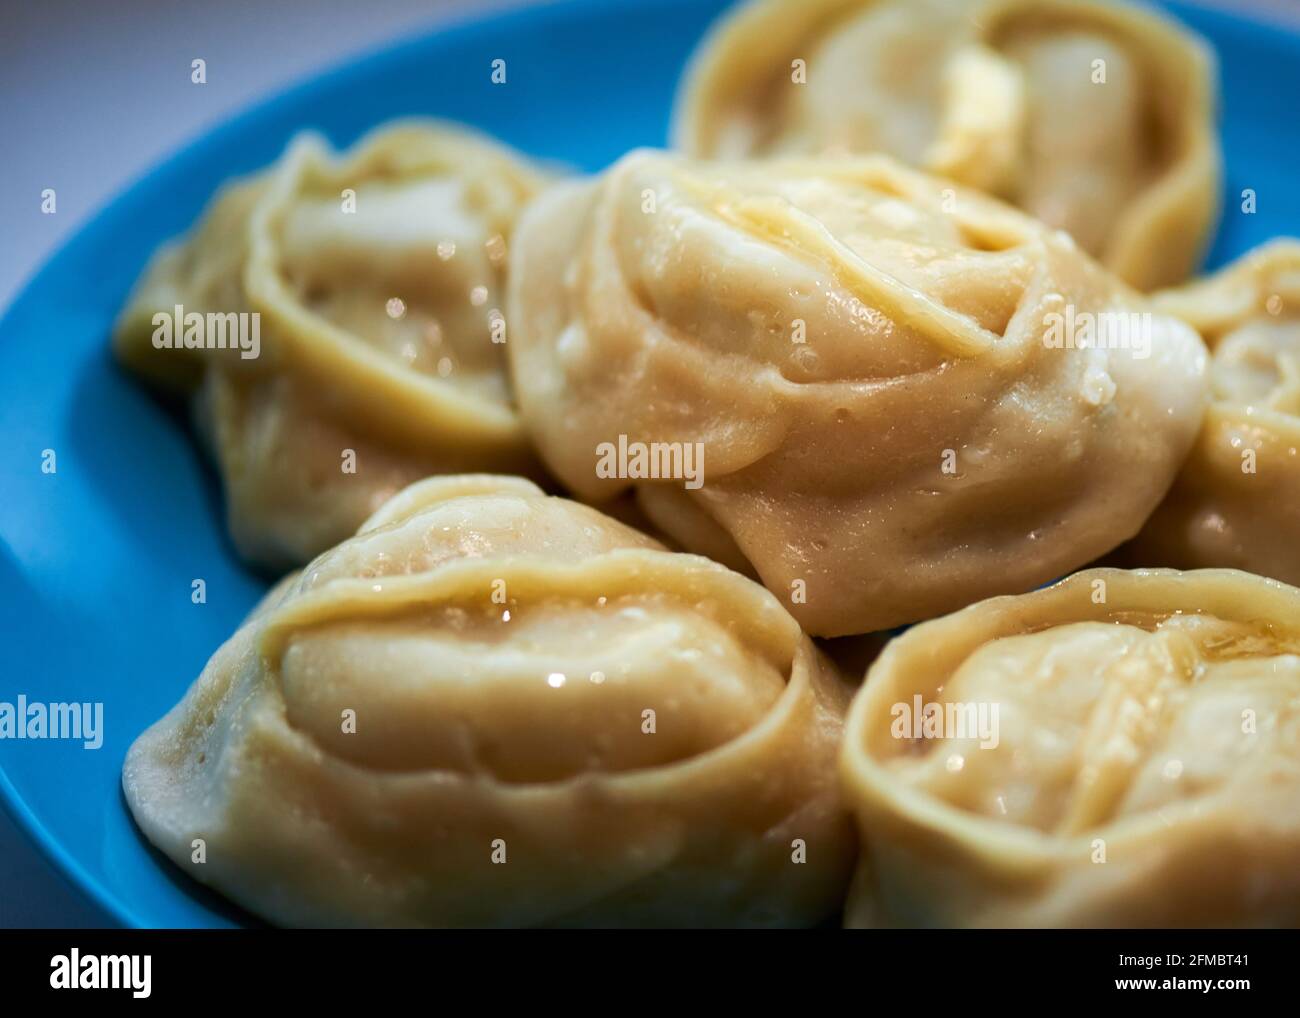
pixel 1095 117
pixel 1237 501
pixel 496 707
pixel 885 396
pixel 365 292
pixel 1121 749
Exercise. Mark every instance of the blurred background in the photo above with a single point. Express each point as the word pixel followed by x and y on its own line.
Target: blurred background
pixel 96 93
pixel 93 94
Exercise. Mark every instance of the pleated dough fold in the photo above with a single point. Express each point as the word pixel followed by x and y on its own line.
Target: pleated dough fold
pixel 494 707
pixel 1096 118
pixel 879 374
pixel 377 278
pixel 1143 770
pixel 1236 502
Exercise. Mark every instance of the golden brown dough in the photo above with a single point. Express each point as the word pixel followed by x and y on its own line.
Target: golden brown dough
pixel 1094 117
pixel 1236 502
pixel 868 367
pixel 377 278
pixel 555 722
pixel 1142 767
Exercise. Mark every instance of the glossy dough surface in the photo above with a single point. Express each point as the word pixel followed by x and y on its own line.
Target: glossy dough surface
pixel 1096 118
pixel 500 649
pixel 862 353
pixel 378 276
pixel 1146 770
pixel 1237 501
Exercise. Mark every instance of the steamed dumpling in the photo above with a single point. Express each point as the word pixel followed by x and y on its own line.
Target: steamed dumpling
pixel 847 378
pixel 1121 749
pixel 1237 501
pixel 553 721
pixel 377 278
pixel 1094 118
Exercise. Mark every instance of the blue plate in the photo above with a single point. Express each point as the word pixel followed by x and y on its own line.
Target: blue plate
pixel 97 559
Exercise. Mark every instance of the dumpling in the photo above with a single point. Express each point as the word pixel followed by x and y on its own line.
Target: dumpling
pixel 1093 117
pixel 1237 501
pixel 885 396
pixel 1121 749
pixel 337 324
pixel 495 707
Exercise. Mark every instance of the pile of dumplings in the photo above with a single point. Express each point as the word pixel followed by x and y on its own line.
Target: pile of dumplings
pixel 598 496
